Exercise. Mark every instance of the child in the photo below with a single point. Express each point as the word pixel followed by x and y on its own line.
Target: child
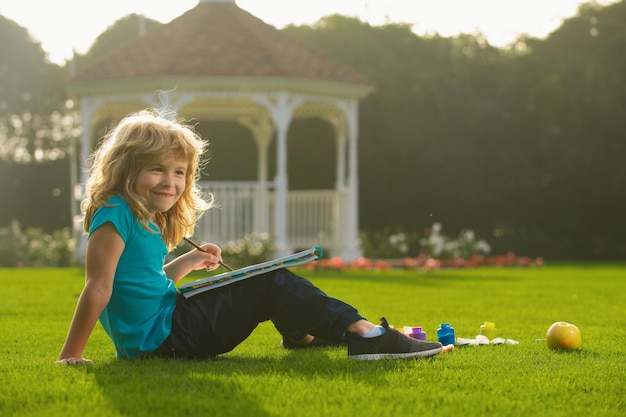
pixel 142 199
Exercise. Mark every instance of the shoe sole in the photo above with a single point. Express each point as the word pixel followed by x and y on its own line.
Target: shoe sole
pixel 406 355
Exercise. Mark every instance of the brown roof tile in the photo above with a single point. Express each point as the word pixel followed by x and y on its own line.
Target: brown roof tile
pixel 218 39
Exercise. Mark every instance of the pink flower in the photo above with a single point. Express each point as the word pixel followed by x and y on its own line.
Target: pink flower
pixel 476 260
pixel 410 263
pixel 336 263
pixel 382 265
pixel 362 263
pixel 458 262
pixel 432 263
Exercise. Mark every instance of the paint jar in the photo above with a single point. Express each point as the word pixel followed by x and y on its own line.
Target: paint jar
pixel 488 330
pixel 445 334
pixel 415 332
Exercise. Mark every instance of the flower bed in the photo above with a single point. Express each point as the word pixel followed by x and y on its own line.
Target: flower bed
pixel 423 262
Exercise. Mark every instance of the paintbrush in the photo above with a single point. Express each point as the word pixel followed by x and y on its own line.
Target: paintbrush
pixel 195 245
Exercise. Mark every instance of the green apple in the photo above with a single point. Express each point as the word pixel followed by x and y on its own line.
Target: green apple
pixel 562 335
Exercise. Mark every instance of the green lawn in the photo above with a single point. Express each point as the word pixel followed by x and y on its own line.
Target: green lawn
pixel 260 379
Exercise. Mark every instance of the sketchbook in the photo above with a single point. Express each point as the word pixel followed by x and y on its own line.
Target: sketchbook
pixel 205 284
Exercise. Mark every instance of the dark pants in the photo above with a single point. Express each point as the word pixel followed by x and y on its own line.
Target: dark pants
pixel 214 322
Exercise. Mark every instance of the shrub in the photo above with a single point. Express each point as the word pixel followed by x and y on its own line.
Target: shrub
pixel 437 245
pixel 50 250
pixel 33 247
pixel 389 243
pixel 397 244
pixel 251 249
pixel 13 246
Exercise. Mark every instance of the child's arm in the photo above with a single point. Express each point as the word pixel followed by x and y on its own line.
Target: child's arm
pixel 209 258
pixel 104 249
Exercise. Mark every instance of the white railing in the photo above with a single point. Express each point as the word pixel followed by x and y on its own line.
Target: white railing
pixel 312 218
pixel 247 207
pixel 234 215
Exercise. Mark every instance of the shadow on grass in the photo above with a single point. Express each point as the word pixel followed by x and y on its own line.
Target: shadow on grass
pixel 172 387
pixel 229 385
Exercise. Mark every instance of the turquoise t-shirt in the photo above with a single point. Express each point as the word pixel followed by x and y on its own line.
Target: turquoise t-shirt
pixel 138 317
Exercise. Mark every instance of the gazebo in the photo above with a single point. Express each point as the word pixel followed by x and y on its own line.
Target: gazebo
pixel 217 62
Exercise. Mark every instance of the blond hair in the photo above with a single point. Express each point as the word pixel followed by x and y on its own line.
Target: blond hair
pixel 138 140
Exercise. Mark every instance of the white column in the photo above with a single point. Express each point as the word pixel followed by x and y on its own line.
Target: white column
pixel 282 118
pixel 87 110
pixel 352 249
pixel 340 209
pixel 280 106
pixel 340 131
pixel 262 131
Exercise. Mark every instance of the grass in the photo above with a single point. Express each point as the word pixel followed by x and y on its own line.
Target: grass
pixel 260 379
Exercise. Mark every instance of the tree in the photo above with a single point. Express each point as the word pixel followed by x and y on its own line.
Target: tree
pixel 525 143
pixel 120 32
pixel 35 129
pixel 28 82
pixel 569 113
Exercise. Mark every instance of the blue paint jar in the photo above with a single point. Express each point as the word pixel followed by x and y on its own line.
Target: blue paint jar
pixel 445 334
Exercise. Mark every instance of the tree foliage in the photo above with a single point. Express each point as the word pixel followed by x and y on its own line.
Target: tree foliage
pixel 524 145
pixel 28 82
pixel 121 31
pixel 35 133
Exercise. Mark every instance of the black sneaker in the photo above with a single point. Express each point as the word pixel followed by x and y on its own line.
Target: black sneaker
pixel 317 342
pixel 390 345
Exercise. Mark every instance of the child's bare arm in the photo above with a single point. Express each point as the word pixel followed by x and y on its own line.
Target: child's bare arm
pixel 104 249
pixel 209 258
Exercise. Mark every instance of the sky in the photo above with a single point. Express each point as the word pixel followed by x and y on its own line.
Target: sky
pixel 62 26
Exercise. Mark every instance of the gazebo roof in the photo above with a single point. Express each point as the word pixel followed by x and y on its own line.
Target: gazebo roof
pixel 217 38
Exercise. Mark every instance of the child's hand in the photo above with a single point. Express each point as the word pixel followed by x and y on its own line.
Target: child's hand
pixel 206 257
pixel 73 361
